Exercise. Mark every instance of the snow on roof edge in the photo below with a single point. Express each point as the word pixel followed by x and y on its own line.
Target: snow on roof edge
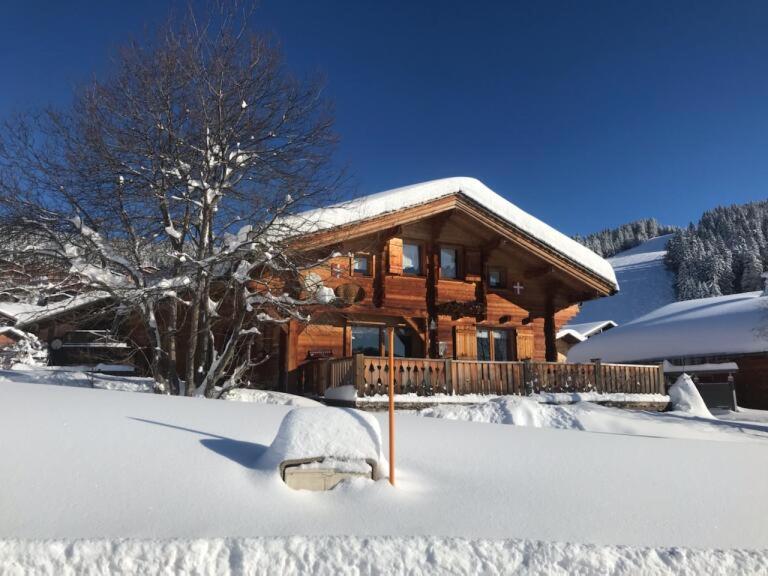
pixel 380 203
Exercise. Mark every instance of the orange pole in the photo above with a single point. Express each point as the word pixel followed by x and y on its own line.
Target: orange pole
pixel 391 335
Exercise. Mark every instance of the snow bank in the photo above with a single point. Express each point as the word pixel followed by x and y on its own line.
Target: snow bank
pixel 591 417
pixel 515 410
pixel 168 479
pixel 686 398
pixel 268 397
pixel 347 393
pixel 400 198
pixel 66 376
pixel 350 555
pixel 339 433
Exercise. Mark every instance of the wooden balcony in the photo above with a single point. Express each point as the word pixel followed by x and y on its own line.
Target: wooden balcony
pixel 427 377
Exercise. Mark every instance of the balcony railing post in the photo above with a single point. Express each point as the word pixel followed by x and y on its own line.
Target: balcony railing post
pixel 448 370
pixel 598 375
pixel 358 373
pixel 527 377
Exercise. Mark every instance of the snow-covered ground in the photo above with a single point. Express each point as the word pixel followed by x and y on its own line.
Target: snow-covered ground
pixel 591 417
pixel 72 376
pixel 184 482
pixel 645 284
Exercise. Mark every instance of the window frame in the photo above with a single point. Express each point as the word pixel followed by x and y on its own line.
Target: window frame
pixel 367 258
pixel 456 262
pixel 492 331
pixel 502 277
pixel 419 255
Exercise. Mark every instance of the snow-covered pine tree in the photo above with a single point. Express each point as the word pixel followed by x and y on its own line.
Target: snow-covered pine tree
pixel 166 187
pixel 611 241
pixel 724 253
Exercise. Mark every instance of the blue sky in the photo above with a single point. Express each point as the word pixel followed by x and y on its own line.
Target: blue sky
pixel 586 114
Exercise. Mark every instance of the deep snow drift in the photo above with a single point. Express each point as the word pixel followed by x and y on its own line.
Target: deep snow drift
pixel 645 284
pixel 108 465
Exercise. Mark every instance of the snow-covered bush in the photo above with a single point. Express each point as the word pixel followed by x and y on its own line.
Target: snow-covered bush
pixel 685 397
pixel 27 350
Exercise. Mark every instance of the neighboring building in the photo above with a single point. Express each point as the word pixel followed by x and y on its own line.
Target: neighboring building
pixel 76 329
pixel 714 330
pixel 456 269
pixel 571 334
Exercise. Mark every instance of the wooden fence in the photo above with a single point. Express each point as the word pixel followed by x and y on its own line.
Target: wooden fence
pixel 427 376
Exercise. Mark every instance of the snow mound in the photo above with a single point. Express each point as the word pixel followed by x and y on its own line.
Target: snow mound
pixel 347 393
pixel 268 397
pixel 686 398
pixel 515 410
pixel 65 376
pixel 353 555
pixel 338 433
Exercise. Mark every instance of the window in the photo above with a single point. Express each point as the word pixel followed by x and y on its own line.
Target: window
pixel 448 263
pixel 366 340
pixel 500 345
pixel 361 265
pixel 496 277
pixel 493 345
pixel 483 345
pixel 371 340
pixel 411 259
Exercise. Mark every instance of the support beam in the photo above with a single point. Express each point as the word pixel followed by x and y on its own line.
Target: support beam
pixel 550 333
pixel 391 338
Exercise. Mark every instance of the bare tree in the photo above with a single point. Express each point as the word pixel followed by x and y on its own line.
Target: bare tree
pixel 168 187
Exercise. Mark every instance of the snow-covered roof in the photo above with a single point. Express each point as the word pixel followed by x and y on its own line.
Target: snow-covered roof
pixel 734 324
pixel 24 313
pixel 583 331
pixel 397 199
pixel 670 368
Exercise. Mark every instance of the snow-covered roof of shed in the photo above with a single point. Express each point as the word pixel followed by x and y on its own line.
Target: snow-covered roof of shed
pixel 584 330
pixel 408 196
pixel 734 324
pixel 338 433
pixel 24 313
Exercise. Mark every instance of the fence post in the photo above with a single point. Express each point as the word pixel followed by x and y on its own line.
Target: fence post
pixel 448 370
pixel 598 375
pixel 358 373
pixel 527 377
pixel 662 385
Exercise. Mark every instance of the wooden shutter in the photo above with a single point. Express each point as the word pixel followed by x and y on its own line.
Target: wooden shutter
pixel 465 342
pixel 524 345
pixel 395 250
pixel 473 265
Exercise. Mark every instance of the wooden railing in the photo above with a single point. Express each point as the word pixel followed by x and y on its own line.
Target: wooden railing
pixel 427 376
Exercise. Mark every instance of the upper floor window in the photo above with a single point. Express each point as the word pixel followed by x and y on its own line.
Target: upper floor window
pixel 361 265
pixel 448 263
pixel 411 259
pixel 496 277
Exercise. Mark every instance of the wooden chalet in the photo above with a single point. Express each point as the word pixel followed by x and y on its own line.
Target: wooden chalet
pixel 456 272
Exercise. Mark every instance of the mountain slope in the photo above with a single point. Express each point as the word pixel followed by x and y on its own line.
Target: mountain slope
pixel 645 284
